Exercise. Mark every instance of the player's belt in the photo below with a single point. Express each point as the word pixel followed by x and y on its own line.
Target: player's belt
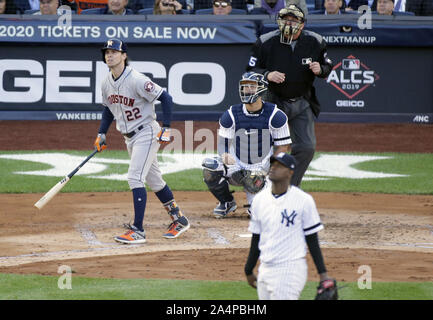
pixel 133 133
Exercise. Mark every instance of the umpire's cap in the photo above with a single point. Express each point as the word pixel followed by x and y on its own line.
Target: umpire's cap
pixel 114 44
pixel 285 159
pixel 292 10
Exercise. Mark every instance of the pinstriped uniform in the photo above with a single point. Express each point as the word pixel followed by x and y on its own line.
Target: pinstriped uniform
pixel 283 222
pixel 280 134
pixel 131 100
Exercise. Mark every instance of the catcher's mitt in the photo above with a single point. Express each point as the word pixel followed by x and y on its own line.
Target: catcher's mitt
pixel 327 290
pixel 252 181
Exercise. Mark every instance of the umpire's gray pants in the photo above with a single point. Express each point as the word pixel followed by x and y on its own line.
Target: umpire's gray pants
pixel 301 124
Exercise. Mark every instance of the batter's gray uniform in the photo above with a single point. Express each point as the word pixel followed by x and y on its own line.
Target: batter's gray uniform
pixel 131 100
pixel 129 97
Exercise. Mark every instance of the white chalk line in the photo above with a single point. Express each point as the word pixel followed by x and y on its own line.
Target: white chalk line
pixel 88 235
pixel 217 236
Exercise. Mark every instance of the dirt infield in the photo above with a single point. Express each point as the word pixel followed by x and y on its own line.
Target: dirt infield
pixel 393 234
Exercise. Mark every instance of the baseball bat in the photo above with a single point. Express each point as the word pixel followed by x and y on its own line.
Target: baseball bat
pixel 59 186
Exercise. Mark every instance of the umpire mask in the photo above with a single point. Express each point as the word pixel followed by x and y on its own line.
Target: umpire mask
pixel 289 28
pixel 251 86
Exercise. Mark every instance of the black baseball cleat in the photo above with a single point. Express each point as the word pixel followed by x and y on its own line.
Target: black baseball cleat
pixel 224 208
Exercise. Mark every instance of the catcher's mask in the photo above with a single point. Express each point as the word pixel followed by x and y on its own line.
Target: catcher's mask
pixel 290 28
pixel 114 44
pixel 251 86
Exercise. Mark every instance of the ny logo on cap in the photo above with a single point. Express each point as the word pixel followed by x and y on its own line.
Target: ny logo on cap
pixel 110 43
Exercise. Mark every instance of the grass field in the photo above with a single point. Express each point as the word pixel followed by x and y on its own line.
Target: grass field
pixel 416 172
pixel 34 287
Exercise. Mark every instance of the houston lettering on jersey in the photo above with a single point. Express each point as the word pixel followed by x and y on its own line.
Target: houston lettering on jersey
pixel 115 98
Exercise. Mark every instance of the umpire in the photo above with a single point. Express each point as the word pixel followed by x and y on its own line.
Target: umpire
pixel 290 58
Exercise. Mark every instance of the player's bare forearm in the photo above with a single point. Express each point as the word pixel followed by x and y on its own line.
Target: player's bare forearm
pixel 283 148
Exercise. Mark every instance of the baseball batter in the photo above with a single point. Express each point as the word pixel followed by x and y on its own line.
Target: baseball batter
pixel 284 221
pixel 250 132
pixel 129 98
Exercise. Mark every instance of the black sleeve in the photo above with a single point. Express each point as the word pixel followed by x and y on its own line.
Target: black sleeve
pixel 325 63
pixel 256 61
pixel 107 119
pixel 316 253
pixel 167 107
pixel 253 255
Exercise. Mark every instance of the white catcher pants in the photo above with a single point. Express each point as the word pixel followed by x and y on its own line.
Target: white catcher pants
pixel 282 282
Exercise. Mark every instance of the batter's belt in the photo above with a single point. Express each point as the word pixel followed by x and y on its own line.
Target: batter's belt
pixel 133 133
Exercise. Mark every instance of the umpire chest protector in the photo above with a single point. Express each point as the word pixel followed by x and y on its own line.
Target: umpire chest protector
pixel 253 138
pixel 291 62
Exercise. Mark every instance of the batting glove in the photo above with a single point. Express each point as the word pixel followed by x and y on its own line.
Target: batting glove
pixel 164 135
pixel 100 143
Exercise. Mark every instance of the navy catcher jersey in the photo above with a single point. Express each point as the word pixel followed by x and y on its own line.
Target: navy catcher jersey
pixel 254 134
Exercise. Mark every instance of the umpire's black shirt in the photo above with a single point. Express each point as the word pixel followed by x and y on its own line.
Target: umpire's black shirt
pixel 269 54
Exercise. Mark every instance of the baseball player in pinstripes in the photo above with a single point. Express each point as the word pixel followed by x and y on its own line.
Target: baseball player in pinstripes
pixel 284 221
pixel 250 132
pixel 129 98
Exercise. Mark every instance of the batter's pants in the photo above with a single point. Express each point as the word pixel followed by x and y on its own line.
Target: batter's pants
pixel 144 167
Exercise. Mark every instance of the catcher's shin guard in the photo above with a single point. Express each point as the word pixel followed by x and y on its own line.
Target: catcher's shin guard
pixel 213 176
pixel 220 189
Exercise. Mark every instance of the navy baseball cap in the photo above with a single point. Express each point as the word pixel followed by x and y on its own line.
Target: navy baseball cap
pixel 114 44
pixel 285 159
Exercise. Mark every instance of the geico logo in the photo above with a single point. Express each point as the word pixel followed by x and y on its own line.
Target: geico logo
pixel 350 103
pixel 57 86
pixel 354 76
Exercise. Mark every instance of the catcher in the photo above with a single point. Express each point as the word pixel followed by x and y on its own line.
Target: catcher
pixel 250 132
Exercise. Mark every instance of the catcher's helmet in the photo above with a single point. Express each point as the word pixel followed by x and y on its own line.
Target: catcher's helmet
pixel 251 86
pixel 289 30
pixel 114 44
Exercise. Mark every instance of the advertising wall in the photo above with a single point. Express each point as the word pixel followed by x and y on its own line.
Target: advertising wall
pixel 54 73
